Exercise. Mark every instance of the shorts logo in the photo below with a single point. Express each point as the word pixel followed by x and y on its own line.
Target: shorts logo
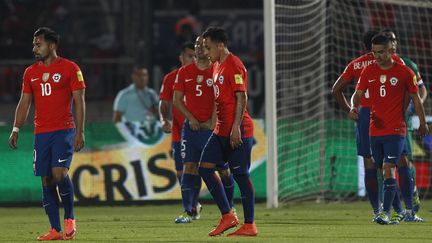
pixel 56 77
pixel 209 82
pixel 62 160
pixel 383 78
pixel 45 77
pixel 393 81
pixel 221 79
pixel 199 79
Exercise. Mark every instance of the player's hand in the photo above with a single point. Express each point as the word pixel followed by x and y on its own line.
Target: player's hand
pixel 79 141
pixel 194 124
pixel 13 140
pixel 166 126
pixel 235 138
pixel 353 114
pixel 423 130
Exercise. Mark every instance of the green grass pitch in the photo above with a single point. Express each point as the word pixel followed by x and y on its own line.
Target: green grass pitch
pixel 302 222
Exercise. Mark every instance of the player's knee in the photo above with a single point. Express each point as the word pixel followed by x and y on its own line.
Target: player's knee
pixel 224 173
pixel 59 174
pixel 403 161
pixel 369 164
pixel 190 168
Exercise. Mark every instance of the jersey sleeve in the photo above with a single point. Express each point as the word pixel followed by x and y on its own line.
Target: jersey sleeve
pixel 77 79
pixel 362 83
pixel 179 83
pixel 412 81
pixel 166 92
pixel 26 87
pixel 348 73
pixel 120 102
pixel 238 78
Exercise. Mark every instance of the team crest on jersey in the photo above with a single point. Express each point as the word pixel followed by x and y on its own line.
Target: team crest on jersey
pixel 45 76
pixel 393 81
pixel 209 82
pixel 221 79
pixel 383 78
pixel 199 79
pixel 56 77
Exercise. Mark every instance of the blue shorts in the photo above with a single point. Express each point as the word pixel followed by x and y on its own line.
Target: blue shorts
pixel 193 143
pixel 218 151
pixel 52 149
pixel 362 133
pixel 175 146
pixel 387 149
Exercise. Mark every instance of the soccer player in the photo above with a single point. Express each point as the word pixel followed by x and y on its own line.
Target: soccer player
pixel 352 73
pixel 406 168
pixel 194 86
pixel 53 82
pixel 186 57
pixel 232 137
pixel 387 82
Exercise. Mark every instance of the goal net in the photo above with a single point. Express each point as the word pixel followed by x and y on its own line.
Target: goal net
pixel 315 155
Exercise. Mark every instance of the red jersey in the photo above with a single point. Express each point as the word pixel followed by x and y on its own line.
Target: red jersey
pixel 197 87
pixel 355 67
pixel 387 89
pixel 52 87
pixel 167 93
pixel 229 77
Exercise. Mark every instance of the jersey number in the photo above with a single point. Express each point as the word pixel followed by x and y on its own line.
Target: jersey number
pixel 382 91
pixel 198 90
pixel 46 89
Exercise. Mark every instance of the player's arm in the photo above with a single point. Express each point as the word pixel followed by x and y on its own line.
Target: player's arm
pixel 337 90
pixel 178 103
pixel 355 102
pixel 164 110
pixel 21 114
pixel 423 129
pixel 423 93
pixel 235 136
pixel 80 108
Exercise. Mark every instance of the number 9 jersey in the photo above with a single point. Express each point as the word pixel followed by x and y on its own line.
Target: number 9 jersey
pixel 52 87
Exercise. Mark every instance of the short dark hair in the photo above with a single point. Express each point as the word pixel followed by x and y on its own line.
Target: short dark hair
pixel 186 45
pixel 367 38
pixel 48 34
pixel 380 39
pixel 139 66
pixel 216 34
pixel 387 32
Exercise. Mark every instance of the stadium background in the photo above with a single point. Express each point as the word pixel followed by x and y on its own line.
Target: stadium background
pixel 106 38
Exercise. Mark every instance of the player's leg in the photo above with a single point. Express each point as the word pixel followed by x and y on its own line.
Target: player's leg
pixel 240 160
pixel 62 151
pixel 392 149
pixel 213 154
pixel 50 200
pixel 176 153
pixel 228 182
pixel 364 149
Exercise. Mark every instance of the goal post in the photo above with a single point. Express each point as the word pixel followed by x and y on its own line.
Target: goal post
pixel 311 142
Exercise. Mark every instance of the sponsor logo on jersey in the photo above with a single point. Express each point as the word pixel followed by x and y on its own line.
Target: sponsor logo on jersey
pixel 383 78
pixel 56 77
pixel 45 76
pixel 393 81
pixel 33 79
pixel 363 64
pixel 238 79
pixel 209 82
pixel 221 79
pixel 199 78
pixel 80 76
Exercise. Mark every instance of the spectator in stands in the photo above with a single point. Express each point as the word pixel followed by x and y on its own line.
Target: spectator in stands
pixel 137 102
